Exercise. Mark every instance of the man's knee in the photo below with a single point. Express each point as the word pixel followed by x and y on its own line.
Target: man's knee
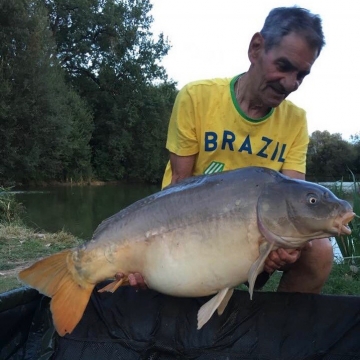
pixel 310 272
pixel 319 255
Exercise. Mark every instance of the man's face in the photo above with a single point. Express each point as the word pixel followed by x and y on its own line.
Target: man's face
pixel 281 70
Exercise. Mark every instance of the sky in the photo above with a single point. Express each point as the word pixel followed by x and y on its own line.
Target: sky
pixel 210 38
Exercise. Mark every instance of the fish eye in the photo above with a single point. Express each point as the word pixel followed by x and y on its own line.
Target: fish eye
pixel 312 199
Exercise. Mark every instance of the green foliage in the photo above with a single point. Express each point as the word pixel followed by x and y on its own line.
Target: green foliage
pixel 102 41
pixel 10 209
pixel 149 157
pixel 355 141
pixel 39 113
pixel 349 245
pixel 76 158
pixel 83 93
pixel 328 156
pixel 344 280
pixel 116 69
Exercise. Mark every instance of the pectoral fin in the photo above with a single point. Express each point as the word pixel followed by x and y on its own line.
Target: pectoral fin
pixel 225 301
pixel 207 310
pixel 257 266
pixel 111 287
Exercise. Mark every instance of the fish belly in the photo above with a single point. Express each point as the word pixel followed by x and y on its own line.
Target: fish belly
pixel 201 260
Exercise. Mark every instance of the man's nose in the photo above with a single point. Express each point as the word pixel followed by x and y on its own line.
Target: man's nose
pixel 292 82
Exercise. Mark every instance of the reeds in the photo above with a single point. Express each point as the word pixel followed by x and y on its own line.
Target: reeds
pixel 10 209
pixel 349 245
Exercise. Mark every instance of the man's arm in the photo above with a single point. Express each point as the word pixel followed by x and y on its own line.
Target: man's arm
pixel 181 167
pixel 294 174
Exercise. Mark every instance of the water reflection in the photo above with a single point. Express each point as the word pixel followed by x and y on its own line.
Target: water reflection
pixel 78 209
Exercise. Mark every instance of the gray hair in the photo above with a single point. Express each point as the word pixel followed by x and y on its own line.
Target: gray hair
pixel 285 20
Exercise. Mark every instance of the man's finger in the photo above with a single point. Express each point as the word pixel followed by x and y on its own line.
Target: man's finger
pixel 132 280
pixel 270 266
pixel 289 256
pixel 140 281
pixel 119 276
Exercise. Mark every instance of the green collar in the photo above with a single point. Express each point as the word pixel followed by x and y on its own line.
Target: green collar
pixel 238 108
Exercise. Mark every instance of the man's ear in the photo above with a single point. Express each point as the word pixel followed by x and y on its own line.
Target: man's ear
pixel 256 46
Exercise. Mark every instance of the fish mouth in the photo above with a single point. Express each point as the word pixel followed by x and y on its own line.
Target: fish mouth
pixel 341 224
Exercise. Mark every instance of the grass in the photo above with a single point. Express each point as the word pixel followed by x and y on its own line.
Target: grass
pixel 343 280
pixel 21 246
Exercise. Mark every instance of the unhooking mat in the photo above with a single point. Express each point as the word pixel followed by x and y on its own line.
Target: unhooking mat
pixel 147 325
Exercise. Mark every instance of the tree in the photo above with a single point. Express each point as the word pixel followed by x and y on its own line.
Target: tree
pixel 149 155
pixel 329 156
pixel 112 59
pixel 39 113
pixel 355 141
pixel 81 89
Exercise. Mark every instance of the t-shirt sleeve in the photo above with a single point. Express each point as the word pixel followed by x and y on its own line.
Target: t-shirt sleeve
pixel 182 137
pixel 296 158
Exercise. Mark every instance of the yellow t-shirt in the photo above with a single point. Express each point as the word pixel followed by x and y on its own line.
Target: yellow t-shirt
pixel 206 120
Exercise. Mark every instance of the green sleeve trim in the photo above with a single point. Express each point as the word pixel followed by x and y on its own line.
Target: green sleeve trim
pixel 238 108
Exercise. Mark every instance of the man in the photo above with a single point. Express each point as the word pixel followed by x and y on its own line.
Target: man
pixel 223 124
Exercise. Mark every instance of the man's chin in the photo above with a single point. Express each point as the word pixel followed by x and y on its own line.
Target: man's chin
pixel 275 102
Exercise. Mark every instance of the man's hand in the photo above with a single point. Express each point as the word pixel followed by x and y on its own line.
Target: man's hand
pixel 279 258
pixel 137 280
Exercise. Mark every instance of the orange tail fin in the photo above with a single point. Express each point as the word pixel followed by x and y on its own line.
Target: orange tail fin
pixel 52 277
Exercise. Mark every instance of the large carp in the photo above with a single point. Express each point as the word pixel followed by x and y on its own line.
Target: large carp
pixel 203 236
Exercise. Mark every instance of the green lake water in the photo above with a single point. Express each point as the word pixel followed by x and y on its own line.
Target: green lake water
pixel 78 209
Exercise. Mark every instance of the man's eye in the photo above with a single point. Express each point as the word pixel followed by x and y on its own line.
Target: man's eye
pixel 301 76
pixel 283 67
